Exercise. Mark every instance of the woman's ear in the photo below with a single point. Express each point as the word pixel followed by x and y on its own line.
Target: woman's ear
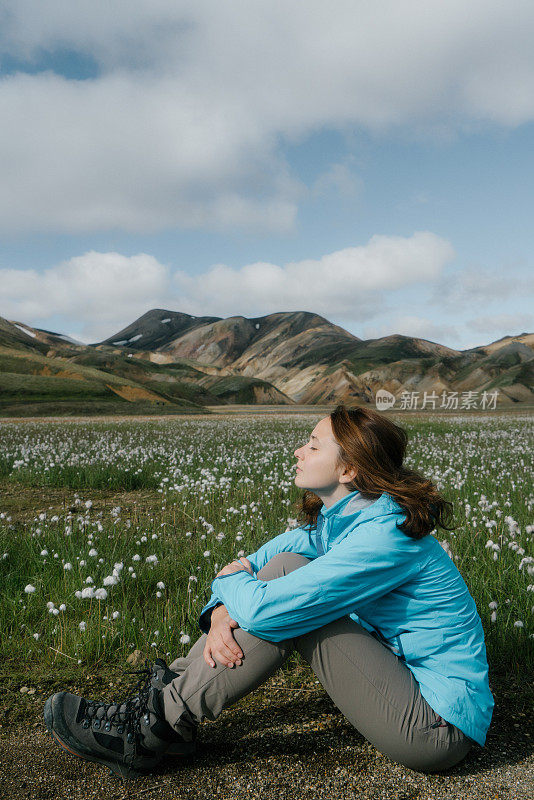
pixel 348 475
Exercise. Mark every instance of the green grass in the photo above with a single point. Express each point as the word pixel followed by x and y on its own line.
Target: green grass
pixel 198 471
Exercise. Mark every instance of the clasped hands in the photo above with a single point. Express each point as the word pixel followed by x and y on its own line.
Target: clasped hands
pixel 220 642
pixel 235 566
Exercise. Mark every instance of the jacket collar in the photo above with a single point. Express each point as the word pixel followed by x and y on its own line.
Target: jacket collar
pixel 353 508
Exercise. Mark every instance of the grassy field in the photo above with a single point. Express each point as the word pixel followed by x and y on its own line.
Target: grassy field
pixel 111 533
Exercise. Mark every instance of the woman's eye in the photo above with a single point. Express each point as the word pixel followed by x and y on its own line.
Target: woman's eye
pixel 313 448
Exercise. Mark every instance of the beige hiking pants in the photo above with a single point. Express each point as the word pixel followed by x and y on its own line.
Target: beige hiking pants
pixel 371 686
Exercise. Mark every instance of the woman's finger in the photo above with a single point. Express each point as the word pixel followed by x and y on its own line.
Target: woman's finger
pixel 231 643
pixel 229 568
pixel 207 656
pixel 225 651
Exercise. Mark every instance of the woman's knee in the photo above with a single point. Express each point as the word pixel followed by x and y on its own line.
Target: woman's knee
pixel 281 564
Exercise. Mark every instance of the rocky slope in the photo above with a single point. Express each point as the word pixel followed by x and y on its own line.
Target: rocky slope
pixel 174 361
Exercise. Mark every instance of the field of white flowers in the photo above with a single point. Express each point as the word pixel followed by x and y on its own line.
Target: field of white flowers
pixel 89 581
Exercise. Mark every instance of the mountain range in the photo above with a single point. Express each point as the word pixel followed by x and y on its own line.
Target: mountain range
pixel 171 362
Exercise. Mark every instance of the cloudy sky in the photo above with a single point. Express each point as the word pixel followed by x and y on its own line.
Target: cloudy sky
pixel 370 162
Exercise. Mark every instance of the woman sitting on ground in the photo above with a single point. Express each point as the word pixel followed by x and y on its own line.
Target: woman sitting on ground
pixel 362 590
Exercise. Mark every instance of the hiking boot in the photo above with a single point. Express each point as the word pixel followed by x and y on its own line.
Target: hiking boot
pixel 129 738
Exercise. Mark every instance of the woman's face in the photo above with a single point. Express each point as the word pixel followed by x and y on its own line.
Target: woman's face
pixel 316 467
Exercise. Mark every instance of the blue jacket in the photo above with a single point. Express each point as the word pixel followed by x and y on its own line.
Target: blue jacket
pixel 406 591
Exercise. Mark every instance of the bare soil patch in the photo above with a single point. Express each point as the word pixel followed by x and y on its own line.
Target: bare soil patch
pixel 279 743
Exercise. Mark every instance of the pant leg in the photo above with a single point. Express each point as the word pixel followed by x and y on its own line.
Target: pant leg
pixel 202 692
pixel 377 693
pixel 181 664
pixel 372 687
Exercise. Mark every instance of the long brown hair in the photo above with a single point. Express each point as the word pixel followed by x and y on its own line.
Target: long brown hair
pixel 373 445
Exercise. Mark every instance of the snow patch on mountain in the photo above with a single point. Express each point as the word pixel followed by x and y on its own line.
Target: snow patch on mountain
pixel 26 331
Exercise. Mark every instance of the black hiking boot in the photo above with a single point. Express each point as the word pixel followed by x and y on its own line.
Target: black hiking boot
pixel 129 738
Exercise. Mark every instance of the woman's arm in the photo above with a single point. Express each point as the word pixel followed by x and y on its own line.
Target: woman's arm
pixel 297 540
pixel 362 567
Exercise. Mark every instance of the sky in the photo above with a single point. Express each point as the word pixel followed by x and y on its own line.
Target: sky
pixel 369 162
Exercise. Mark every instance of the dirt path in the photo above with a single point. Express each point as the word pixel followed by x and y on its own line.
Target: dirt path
pixel 277 743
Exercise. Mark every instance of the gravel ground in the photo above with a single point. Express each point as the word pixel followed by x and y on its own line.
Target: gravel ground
pixel 279 743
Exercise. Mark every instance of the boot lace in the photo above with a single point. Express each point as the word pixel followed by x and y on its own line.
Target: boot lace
pixel 126 715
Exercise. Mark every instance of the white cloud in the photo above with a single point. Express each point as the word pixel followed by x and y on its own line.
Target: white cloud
pixel 341 283
pixel 476 286
pixel 509 324
pixel 106 291
pixel 183 123
pixel 97 289
pixel 337 178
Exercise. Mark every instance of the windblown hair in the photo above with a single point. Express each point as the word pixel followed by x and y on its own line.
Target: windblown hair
pixel 373 445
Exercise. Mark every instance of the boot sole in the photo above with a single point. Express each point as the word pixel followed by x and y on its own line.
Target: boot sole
pixel 117 768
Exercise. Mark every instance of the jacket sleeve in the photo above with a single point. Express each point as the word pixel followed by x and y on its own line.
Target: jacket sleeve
pixel 359 569
pixel 297 540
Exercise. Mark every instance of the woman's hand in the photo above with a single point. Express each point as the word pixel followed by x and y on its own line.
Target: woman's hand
pixel 236 566
pixel 220 642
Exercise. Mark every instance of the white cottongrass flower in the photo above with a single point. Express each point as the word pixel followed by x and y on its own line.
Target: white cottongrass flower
pixel 110 580
pixel 493 616
pixel 93 552
pixel 36 636
pixel 63 607
pixel 446 546
pixel 82 626
pixel 88 503
pixel 87 593
pixel 50 605
pixel 29 589
pixel 44 552
pixel 151 559
pixel 67 566
pixel 519 624
pixel 492 605
pixel 101 594
pixel 206 553
pixel 115 615
pixel 158 595
pixel 160 585
pixel 136 557
pixel 185 639
pixel 89 579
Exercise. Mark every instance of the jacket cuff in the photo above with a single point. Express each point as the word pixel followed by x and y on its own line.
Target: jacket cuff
pixel 205 618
